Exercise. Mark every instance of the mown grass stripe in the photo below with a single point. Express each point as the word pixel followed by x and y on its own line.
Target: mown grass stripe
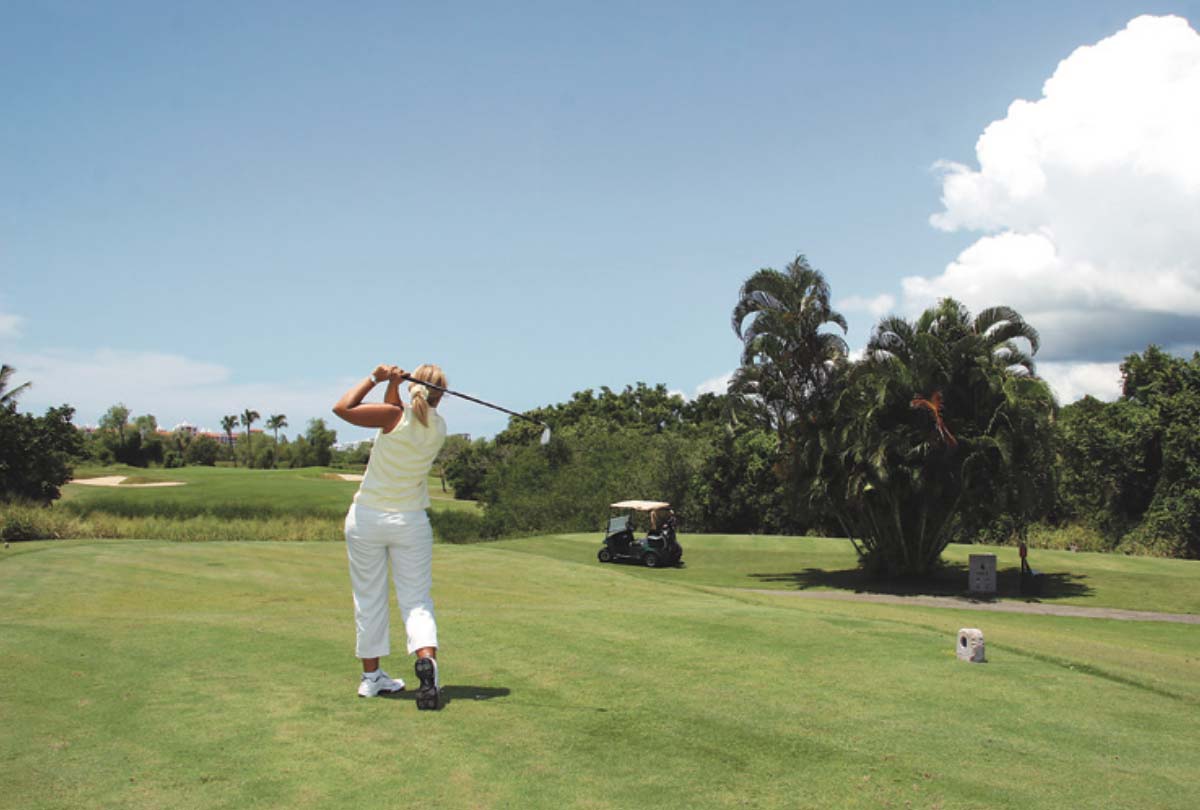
pixel 610 689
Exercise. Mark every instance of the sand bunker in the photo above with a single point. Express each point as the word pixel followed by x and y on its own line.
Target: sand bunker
pixel 349 477
pixel 115 481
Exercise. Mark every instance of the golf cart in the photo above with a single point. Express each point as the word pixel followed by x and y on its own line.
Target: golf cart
pixel 657 548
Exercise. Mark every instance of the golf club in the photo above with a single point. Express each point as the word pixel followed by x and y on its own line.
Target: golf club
pixel 545 432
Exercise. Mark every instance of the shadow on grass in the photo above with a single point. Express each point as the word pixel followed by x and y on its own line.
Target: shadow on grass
pixel 949 580
pixel 452 693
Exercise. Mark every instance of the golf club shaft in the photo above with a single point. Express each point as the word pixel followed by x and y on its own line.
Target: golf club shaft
pixel 473 399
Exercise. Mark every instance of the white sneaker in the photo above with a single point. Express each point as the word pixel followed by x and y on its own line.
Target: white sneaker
pixel 427 674
pixel 381 683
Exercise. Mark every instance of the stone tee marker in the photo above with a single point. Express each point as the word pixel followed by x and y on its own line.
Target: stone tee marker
pixel 982 574
pixel 970 646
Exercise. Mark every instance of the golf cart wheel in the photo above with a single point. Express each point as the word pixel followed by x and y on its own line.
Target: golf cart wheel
pixel 604 555
pixel 650 560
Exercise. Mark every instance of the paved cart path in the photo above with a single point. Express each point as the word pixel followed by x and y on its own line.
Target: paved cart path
pixel 998 606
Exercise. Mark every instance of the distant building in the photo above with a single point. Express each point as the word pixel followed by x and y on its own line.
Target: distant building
pixel 188 429
pixel 221 437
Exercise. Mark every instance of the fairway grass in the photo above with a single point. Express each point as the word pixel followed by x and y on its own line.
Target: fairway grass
pixel 224 492
pixel 817 564
pixel 145 674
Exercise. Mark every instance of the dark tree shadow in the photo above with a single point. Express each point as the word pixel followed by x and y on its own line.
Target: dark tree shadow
pixel 449 694
pixel 949 580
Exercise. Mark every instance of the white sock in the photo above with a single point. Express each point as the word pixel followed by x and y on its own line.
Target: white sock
pixel 376 675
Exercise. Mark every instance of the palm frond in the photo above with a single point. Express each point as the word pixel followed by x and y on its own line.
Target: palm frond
pixel 1002 324
pixel 10 395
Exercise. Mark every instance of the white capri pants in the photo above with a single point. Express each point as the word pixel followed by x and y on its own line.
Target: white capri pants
pixel 373 538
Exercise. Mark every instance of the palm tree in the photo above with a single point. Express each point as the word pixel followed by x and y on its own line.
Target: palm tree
pixel 182 438
pixel 249 417
pixel 274 422
pixel 788 362
pixel 9 397
pixel 942 430
pixel 791 363
pixel 228 423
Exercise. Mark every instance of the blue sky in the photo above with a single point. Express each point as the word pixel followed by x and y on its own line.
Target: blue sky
pixel 209 207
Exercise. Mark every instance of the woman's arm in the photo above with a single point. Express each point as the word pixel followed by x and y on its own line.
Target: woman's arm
pixel 351 407
pixel 395 376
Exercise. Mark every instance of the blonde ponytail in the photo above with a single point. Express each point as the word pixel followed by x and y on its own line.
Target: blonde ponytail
pixel 420 405
pixel 423 398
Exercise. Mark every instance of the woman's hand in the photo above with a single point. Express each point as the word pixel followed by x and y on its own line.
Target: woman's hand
pixel 392 395
pixel 386 415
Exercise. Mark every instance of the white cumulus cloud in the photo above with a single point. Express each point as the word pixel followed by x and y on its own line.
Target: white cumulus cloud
pixel 172 387
pixel 1072 381
pixel 178 389
pixel 1088 204
pixel 717 385
pixel 10 325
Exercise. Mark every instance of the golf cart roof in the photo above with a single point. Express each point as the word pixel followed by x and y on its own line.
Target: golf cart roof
pixel 641 506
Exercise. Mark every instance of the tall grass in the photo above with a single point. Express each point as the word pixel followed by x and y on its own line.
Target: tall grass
pixel 217 504
pixel 26 521
pixel 236 509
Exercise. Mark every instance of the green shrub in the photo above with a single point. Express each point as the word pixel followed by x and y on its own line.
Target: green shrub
pixel 20 527
pixel 202 451
pixel 1171 527
pixel 22 520
pixel 567 485
pixel 455 526
pixel 36 452
pixel 1071 537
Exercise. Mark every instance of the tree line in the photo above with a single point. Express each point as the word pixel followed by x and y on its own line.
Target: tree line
pixel 941 432
pixel 38 453
pixel 136 440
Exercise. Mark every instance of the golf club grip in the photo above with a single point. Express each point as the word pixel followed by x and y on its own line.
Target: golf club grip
pixel 471 398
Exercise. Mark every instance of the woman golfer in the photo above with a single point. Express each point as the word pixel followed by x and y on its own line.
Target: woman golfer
pixel 387 523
